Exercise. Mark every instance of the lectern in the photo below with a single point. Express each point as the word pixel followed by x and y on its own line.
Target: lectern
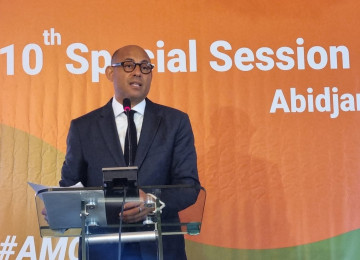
pixel 93 216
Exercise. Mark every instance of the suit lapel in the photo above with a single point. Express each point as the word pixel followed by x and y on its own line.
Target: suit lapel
pixel 108 130
pixel 149 129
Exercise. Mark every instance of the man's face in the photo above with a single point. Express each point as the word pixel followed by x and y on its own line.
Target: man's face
pixel 133 85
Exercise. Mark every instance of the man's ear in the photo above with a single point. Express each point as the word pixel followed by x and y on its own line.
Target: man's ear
pixel 109 71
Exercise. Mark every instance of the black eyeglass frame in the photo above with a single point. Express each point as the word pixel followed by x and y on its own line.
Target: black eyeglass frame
pixel 121 64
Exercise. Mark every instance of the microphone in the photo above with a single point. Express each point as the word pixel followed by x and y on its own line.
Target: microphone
pixel 127 108
pixel 127 105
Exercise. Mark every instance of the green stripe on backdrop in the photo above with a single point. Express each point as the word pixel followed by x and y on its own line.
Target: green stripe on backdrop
pixel 342 247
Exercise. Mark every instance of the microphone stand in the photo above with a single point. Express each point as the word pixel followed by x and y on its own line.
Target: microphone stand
pixel 127 108
pixel 129 138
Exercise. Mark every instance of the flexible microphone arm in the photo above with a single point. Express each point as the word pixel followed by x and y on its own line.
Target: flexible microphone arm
pixel 127 108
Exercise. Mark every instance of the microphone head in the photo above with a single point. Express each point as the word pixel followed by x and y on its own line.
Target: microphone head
pixel 127 104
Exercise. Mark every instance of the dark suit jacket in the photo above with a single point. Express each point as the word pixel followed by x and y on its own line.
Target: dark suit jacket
pixel 165 155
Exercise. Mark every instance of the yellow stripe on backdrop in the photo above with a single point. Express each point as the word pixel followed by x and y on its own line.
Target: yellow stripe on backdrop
pixel 272 90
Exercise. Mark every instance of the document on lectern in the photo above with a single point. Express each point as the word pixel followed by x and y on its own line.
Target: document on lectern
pixel 38 187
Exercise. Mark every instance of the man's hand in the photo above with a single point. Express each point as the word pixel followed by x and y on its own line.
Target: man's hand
pixel 44 213
pixel 136 211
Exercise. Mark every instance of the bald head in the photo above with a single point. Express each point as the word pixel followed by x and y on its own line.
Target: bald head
pixel 120 53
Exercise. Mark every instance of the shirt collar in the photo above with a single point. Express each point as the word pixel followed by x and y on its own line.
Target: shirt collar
pixel 118 108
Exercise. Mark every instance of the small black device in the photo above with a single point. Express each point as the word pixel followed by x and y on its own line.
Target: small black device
pixel 120 186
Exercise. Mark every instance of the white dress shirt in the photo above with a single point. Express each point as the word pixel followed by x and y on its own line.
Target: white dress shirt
pixel 121 119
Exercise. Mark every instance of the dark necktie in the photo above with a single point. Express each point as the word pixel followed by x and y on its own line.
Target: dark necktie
pixel 132 149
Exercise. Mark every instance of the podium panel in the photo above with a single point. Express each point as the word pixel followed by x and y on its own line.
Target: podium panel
pixel 94 213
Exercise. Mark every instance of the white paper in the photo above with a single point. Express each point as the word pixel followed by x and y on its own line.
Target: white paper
pixel 38 187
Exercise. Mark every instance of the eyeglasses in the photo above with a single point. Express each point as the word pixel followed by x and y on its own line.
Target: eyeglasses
pixel 129 66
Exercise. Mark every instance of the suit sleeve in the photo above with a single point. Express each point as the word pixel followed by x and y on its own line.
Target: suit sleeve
pixel 184 164
pixel 74 163
pixel 183 169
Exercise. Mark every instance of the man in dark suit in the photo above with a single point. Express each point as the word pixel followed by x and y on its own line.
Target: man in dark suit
pixel 165 153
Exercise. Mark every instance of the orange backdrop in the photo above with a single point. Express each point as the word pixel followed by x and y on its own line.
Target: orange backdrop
pixel 274 179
